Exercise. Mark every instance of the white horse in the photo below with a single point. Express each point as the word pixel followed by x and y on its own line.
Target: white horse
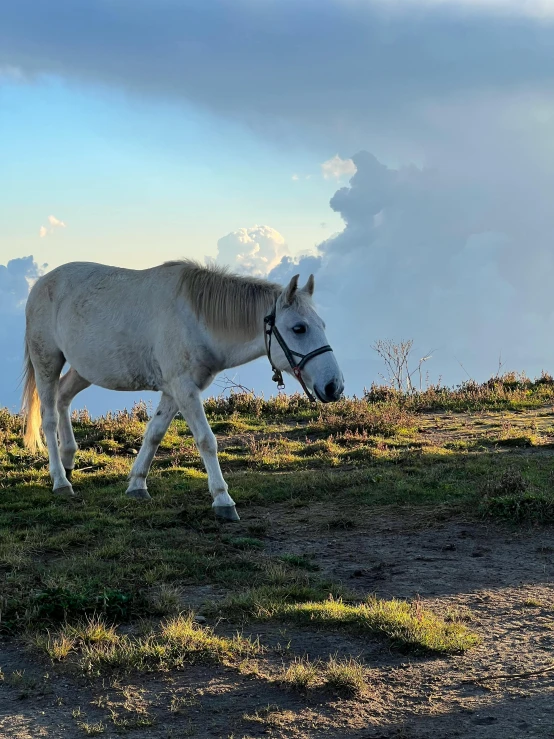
pixel 171 328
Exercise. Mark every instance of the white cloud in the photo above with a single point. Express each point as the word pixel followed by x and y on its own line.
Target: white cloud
pixel 457 257
pixel 255 251
pixel 295 177
pixel 16 278
pixel 336 168
pixel 54 224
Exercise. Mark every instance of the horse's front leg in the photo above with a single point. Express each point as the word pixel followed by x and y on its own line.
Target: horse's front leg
pixel 155 432
pixel 188 399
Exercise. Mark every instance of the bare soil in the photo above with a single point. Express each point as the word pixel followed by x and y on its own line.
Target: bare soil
pixel 501 578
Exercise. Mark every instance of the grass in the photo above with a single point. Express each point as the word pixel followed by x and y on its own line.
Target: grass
pixel 512 498
pixel 98 648
pixel 408 626
pixel 91 729
pixel 300 561
pixel 73 572
pixel 344 676
pixel 511 391
pixel 104 554
pixel 300 674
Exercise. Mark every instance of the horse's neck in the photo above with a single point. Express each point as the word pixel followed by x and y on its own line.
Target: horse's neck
pixel 237 354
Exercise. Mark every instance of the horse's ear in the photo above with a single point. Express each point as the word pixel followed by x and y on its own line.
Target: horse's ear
pixel 309 286
pixel 291 290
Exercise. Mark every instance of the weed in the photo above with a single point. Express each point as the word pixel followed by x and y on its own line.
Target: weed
pixel 179 703
pixel 345 676
pixel 301 674
pixel 91 729
pixel 459 615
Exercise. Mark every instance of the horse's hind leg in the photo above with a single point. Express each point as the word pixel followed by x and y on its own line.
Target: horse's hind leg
pixel 70 384
pixel 47 374
pixel 155 432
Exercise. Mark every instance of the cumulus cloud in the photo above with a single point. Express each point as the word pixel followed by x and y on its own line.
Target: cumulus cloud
pixel 16 278
pixel 53 224
pixel 430 255
pixel 254 251
pixel 335 168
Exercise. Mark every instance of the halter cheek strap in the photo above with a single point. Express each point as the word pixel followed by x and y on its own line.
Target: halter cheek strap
pixel 296 366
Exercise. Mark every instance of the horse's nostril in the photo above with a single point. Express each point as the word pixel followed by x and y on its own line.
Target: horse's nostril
pixel 330 389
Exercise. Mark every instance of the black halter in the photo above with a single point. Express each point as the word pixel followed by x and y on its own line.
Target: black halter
pixel 270 329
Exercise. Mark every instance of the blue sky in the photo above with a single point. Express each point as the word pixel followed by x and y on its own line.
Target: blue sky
pixel 140 182
pixel 151 130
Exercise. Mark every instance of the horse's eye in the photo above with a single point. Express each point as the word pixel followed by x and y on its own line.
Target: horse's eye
pixel 300 328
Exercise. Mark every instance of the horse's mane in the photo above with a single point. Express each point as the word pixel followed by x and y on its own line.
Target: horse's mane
pixel 230 304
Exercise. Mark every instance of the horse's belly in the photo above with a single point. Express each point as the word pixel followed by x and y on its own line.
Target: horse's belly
pixel 119 371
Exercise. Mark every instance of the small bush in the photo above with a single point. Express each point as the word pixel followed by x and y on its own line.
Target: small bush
pixel 511 482
pixel 510 497
pixel 529 507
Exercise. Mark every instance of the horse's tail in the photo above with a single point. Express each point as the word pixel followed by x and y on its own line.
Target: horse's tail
pixel 30 407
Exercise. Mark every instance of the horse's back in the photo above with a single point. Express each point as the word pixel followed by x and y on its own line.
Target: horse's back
pixel 106 320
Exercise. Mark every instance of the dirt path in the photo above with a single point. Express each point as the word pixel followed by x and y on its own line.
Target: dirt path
pixel 500 579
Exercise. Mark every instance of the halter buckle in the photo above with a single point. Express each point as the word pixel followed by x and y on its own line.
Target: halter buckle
pixel 278 378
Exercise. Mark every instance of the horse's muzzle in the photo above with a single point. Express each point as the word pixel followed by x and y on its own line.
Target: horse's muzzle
pixel 331 393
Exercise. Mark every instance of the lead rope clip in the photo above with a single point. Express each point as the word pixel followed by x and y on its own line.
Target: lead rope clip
pixel 278 378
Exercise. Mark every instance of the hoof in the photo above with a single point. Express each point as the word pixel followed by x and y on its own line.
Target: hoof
pixel 226 512
pixel 68 474
pixel 66 491
pixel 139 494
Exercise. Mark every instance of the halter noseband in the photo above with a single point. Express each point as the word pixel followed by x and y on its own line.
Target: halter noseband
pixel 270 329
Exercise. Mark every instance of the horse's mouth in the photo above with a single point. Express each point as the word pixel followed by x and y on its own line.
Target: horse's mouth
pixel 320 397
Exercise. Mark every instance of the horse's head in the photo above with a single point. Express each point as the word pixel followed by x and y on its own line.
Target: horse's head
pixel 301 346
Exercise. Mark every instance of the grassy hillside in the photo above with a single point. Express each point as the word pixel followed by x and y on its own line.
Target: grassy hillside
pixel 106 586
